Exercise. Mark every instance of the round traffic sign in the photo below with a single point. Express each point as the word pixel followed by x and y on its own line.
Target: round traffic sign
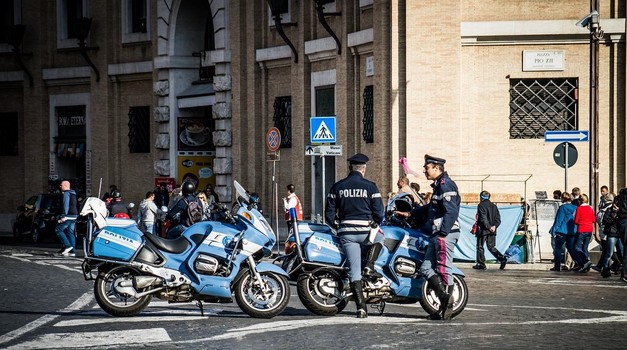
pixel 273 139
pixel 565 154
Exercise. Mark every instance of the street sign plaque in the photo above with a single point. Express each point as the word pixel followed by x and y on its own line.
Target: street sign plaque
pixel 566 136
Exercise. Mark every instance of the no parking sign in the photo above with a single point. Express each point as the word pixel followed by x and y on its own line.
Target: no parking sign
pixel 273 139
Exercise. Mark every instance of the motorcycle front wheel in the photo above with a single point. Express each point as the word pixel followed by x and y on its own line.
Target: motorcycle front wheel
pixel 262 300
pixel 431 303
pixel 321 291
pixel 111 295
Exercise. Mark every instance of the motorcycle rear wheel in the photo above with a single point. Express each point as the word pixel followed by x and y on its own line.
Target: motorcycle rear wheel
pixel 113 302
pixel 256 302
pixel 431 304
pixel 321 292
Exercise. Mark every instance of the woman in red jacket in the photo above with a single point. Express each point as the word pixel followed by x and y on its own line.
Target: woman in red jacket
pixel 585 220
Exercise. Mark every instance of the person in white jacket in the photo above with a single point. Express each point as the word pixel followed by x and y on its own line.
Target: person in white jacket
pixel 148 212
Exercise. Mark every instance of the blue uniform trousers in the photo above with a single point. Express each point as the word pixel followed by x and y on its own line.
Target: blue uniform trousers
pixel 439 258
pixel 352 243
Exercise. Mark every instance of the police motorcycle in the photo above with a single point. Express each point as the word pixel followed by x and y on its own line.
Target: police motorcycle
pixel 209 262
pixel 316 260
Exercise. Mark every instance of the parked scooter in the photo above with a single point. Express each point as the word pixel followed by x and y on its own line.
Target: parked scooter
pixel 209 262
pixel 316 260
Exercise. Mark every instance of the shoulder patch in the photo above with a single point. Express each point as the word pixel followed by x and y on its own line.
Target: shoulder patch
pixel 442 181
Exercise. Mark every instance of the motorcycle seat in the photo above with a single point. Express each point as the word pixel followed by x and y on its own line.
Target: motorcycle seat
pixel 174 246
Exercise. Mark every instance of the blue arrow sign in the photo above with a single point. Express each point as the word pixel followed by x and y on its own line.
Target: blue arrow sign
pixel 566 136
pixel 322 129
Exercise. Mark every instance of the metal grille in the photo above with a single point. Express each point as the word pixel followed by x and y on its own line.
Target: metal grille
pixel 139 129
pixel 283 119
pixel 539 105
pixel 368 121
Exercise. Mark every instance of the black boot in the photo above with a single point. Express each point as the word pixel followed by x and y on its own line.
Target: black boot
pixel 358 295
pixel 373 255
pixel 441 293
pixel 447 311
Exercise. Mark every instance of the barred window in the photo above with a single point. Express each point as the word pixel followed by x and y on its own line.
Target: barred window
pixel 139 129
pixel 8 134
pixel 368 120
pixel 539 105
pixel 283 119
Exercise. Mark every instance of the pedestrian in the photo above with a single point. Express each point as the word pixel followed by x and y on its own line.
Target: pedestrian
pixel 576 193
pixel 206 209
pixel 404 187
pixel 212 196
pixel 292 201
pixel 162 196
pixel 621 218
pixel 65 228
pixel 185 212
pixel 605 203
pixel 557 195
pixel 117 206
pixel 354 207
pixel 585 220
pixel 147 213
pixel 612 238
pixel 564 232
pixel 488 220
pixel 442 213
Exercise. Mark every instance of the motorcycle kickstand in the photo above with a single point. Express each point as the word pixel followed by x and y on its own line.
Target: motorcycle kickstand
pixel 380 307
pixel 202 310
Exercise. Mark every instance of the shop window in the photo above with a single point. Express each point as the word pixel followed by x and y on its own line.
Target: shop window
pixel 539 105
pixel 368 120
pixel 136 20
pixel 8 134
pixel 139 129
pixel 283 119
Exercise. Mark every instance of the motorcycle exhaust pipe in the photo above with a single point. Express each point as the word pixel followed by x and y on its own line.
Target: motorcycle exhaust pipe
pixel 140 282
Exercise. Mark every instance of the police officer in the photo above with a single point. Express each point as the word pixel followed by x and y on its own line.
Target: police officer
pixel 353 207
pixel 441 213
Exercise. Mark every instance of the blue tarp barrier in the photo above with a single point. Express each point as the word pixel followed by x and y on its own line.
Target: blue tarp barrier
pixel 466 248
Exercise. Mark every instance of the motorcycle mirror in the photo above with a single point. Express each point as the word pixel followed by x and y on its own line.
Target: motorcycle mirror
pixel 164 209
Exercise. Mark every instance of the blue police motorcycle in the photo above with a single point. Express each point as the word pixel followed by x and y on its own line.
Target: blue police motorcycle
pixel 211 261
pixel 316 260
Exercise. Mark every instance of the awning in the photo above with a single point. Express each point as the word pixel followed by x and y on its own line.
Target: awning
pixel 197 95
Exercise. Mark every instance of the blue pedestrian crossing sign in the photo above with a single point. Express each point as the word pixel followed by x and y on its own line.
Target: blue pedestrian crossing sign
pixel 322 129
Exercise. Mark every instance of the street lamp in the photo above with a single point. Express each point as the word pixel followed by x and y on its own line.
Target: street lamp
pixel 592 22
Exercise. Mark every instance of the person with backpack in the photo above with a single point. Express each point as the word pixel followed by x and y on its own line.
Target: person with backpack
pixel 186 212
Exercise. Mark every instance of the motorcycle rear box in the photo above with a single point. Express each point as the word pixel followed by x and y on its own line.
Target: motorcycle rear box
pixel 117 243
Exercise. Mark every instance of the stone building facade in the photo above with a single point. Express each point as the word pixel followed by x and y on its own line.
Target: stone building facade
pixel 171 89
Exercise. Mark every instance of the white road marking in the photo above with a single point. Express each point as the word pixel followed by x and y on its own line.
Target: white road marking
pixel 76 305
pixel 614 316
pixel 136 319
pixel 44 263
pixel 94 339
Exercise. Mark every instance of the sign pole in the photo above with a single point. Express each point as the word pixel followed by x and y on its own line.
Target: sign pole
pixel 566 166
pixel 323 189
pixel 275 195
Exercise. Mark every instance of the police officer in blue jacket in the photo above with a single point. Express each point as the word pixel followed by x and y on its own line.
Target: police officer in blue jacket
pixel 353 207
pixel 441 214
